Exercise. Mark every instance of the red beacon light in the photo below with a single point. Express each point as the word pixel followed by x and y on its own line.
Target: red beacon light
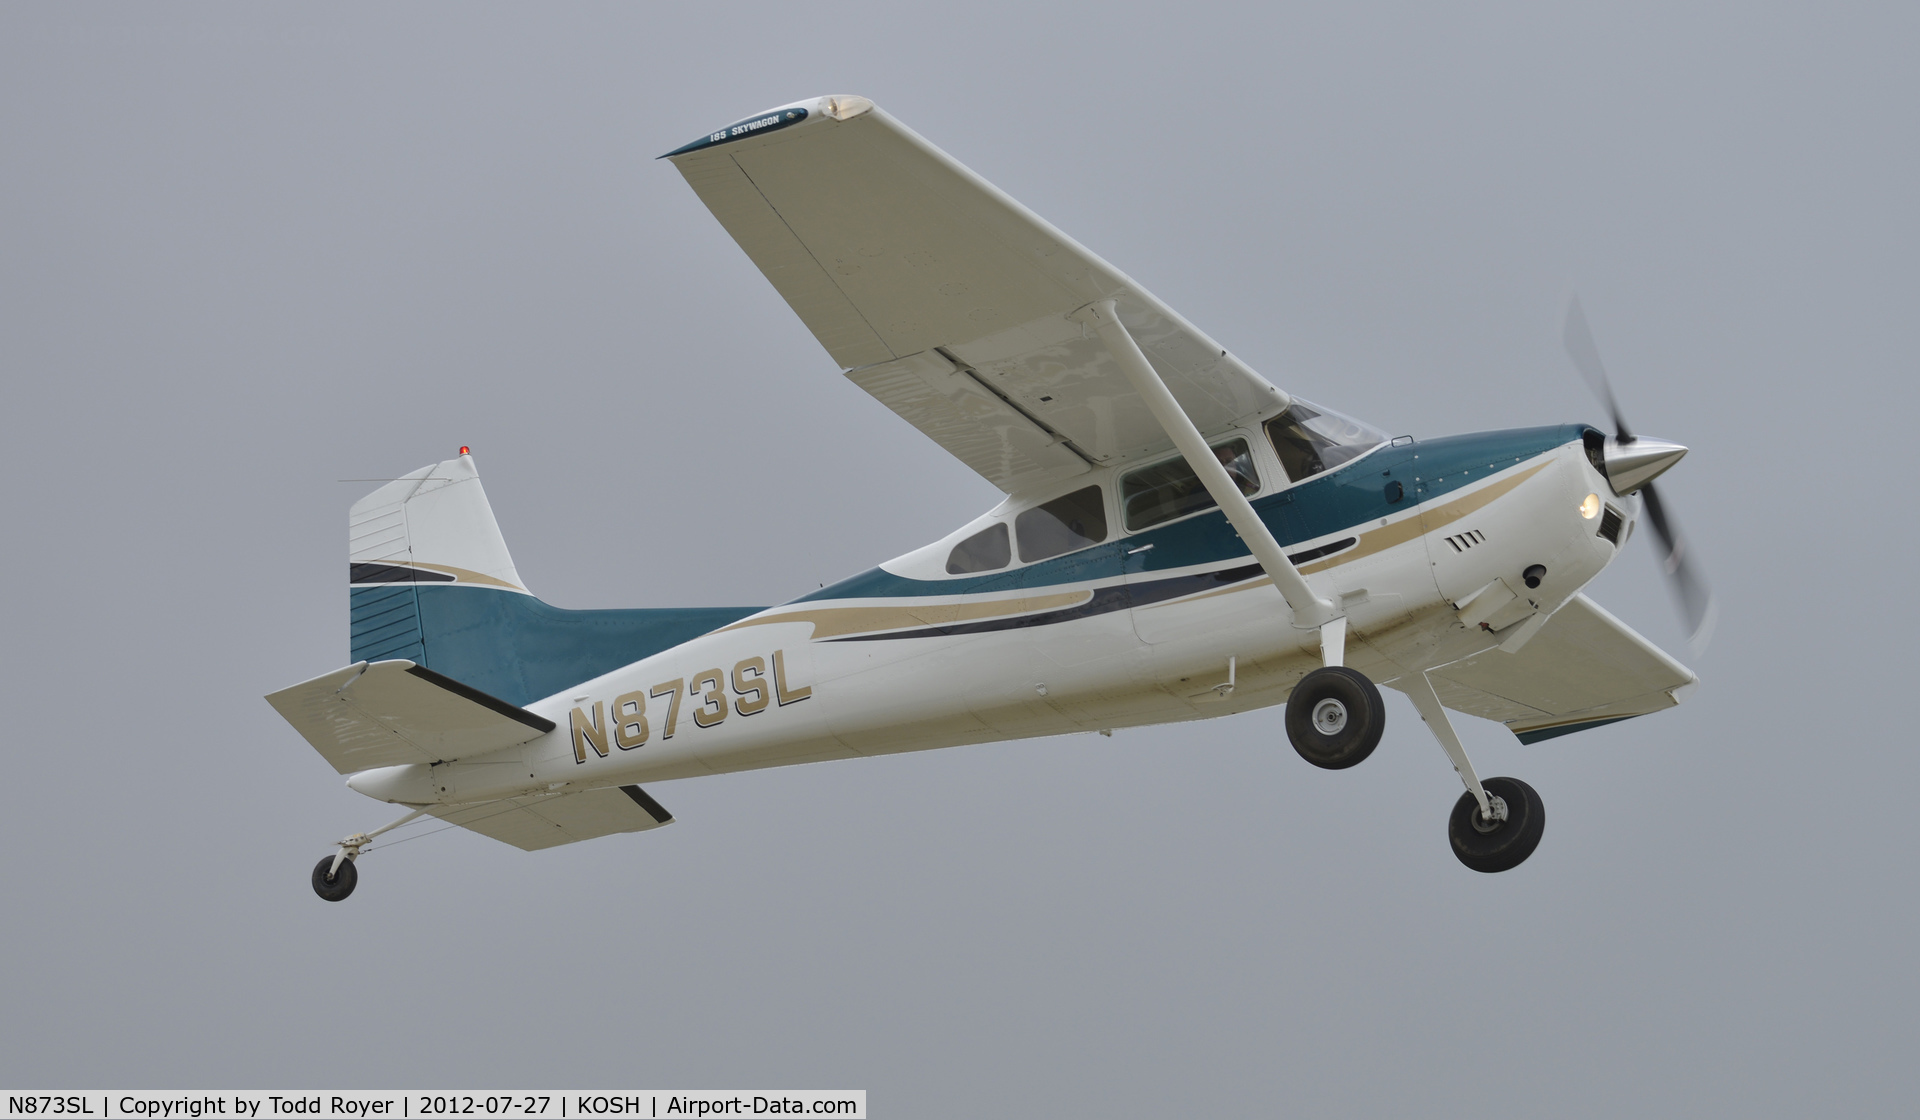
pixel 464 451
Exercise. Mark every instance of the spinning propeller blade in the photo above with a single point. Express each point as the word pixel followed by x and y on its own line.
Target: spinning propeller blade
pixel 1586 359
pixel 1689 586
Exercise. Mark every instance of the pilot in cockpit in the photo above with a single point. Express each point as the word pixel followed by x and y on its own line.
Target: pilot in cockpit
pixel 1238 461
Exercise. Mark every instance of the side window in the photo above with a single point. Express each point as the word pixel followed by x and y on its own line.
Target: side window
pixel 1068 522
pixel 982 552
pixel 1168 490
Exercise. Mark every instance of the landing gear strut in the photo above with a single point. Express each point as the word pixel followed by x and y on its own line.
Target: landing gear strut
pixel 1335 717
pixel 335 876
pixel 1497 823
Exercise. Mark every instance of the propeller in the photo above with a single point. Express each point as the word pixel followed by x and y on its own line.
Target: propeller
pixel 1689 586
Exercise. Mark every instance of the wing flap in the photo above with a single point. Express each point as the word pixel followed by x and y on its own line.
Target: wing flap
pixel 390 713
pixel 533 823
pixel 1584 668
pixel 958 412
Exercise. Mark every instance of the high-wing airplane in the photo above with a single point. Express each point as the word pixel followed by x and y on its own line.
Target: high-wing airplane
pixel 1179 539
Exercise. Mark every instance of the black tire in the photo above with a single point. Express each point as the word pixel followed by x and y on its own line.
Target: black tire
pixel 342 883
pixel 1335 717
pixel 1507 844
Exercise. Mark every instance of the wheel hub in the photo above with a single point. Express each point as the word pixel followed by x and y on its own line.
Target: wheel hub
pixel 1484 824
pixel 1329 716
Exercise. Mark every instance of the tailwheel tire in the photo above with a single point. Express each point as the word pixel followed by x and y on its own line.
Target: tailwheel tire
pixel 1335 717
pixel 340 885
pixel 1498 845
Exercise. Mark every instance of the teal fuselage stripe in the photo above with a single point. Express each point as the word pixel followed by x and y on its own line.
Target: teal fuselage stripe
pixel 518 648
pixel 515 647
pixel 1329 503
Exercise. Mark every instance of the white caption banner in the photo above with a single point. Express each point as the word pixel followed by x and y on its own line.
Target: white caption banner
pixel 544 1104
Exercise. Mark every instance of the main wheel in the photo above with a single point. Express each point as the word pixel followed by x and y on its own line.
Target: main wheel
pixel 1498 845
pixel 340 885
pixel 1335 717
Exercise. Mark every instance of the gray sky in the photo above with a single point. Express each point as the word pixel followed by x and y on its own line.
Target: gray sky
pixel 247 251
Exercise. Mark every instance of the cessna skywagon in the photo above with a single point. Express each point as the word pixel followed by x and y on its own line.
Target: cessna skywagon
pixel 1179 539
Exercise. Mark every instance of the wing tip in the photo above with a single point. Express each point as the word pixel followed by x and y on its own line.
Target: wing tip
pixel 838 107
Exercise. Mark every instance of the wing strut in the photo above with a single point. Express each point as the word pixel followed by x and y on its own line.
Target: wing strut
pixel 1309 610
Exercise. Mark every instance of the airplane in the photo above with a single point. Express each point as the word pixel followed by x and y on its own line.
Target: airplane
pixel 1179 539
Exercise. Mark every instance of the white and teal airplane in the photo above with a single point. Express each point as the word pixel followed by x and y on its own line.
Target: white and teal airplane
pixel 1179 539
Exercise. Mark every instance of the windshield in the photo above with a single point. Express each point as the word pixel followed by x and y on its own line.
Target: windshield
pixel 1310 439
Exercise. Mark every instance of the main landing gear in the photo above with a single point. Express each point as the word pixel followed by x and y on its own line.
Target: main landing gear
pixel 1335 717
pixel 1497 823
pixel 1505 840
pixel 1334 720
pixel 335 876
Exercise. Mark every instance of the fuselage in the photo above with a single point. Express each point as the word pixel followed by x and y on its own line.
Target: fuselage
pixel 1143 627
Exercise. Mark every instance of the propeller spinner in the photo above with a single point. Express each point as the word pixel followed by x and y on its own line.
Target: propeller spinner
pixel 1632 463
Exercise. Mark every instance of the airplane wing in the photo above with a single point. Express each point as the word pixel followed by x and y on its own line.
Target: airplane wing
pixel 389 713
pixel 947 300
pixel 1583 669
pixel 533 823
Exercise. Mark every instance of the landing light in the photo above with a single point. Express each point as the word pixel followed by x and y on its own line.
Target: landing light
pixel 1590 508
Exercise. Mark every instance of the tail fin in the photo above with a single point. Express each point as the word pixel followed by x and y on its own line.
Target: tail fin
pixel 434 524
pixel 433 583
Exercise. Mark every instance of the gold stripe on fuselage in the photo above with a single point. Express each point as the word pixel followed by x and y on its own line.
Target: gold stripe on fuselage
pixel 835 622
pixel 1409 528
pixel 1424 521
pixel 465 575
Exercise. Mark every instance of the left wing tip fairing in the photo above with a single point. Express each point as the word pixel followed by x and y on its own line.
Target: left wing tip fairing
pixel 837 107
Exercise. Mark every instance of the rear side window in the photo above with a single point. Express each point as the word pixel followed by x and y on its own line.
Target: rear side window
pixel 984 551
pixel 1068 522
pixel 1168 490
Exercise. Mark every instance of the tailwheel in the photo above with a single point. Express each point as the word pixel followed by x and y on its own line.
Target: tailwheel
pixel 334 883
pixel 335 877
pixel 1505 840
pixel 1335 717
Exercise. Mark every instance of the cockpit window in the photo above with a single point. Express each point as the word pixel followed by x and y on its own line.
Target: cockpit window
pixel 1310 439
pixel 1068 522
pixel 984 551
pixel 1168 490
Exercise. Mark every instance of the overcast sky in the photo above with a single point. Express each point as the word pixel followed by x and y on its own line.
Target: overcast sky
pixel 248 251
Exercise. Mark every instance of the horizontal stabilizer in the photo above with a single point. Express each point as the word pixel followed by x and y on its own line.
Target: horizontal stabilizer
pixel 390 713
pixel 532 823
pixel 1583 669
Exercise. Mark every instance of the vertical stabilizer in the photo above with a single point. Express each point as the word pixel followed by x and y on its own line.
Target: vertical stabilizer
pixel 434 522
pixel 430 528
pixel 432 583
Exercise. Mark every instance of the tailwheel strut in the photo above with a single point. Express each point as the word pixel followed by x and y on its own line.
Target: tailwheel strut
pixel 335 876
